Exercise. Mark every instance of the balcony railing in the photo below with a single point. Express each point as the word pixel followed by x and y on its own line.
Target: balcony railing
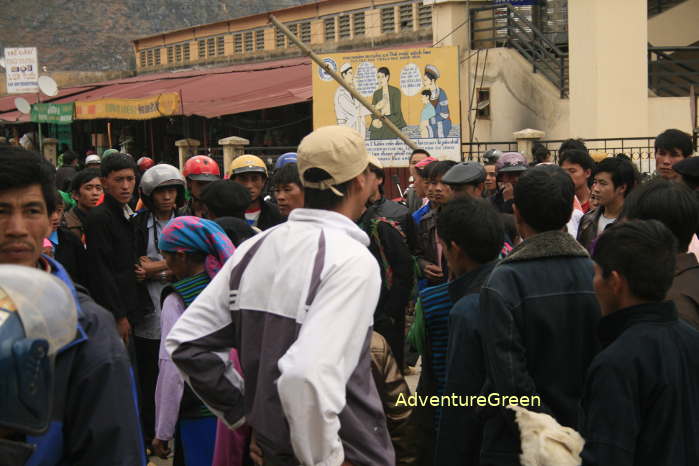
pixel 503 26
pixel 673 70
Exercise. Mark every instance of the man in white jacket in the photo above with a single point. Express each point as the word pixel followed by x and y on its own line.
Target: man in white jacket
pixel 297 302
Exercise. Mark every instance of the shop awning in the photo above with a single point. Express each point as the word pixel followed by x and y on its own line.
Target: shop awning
pixel 208 93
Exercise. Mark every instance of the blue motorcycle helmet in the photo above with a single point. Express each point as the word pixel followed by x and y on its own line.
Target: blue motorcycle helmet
pixel 289 157
pixel 38 316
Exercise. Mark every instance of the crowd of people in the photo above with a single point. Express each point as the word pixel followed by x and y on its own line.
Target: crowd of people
pixel 250 317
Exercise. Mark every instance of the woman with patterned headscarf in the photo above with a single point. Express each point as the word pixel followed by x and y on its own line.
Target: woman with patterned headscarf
pixel 194 249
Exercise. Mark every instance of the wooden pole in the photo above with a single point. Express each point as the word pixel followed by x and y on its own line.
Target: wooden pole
pixel 342 82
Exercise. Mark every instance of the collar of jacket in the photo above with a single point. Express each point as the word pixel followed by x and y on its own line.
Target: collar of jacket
pixel 684 262
pixel 614 324
pixel 545 245
pixel 329 219
pixel 591 218
pixel 114 206
pixel 57 270
pixel 470 282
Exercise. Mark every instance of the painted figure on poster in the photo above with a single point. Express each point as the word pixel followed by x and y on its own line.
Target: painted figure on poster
pixel 348 110
pixel 426 115
pixel 440 123
pixel 387 100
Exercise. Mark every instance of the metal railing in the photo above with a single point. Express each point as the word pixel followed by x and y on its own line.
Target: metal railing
pixel 503 26
pixel 639 149
pixel 673 70
pixel 655 7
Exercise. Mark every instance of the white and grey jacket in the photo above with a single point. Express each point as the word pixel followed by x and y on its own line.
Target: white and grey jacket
pixel 297 302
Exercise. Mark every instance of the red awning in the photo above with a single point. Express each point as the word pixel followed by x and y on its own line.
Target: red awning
pixel 208 93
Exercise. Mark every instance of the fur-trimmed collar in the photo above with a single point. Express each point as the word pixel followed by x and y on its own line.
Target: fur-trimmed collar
pixel 544 245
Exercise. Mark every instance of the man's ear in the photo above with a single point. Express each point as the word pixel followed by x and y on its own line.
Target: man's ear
pixel 617 283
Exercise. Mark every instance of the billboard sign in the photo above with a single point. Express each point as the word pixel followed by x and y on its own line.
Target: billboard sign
pixel 417 89
pixel 21 70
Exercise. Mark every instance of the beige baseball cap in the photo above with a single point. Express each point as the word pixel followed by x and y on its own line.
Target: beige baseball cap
pixel 339 150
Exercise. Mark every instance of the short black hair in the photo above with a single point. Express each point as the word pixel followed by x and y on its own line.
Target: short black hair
pixel 226 198
pixel 82 177
pixel 544 196
pixel 384 71
pixel 419 151
pixel 287 174
pixel 540 153
pixel 474 225
pixel 427 93
pixel 116 162
pixel 641 251
pixel 324 199
pixel 622 171
pixel 430 75
pixel 672 139
pixel 437 169
pixel 20 168
pixel 670 203
pixel 569 144
pixel 69 157
pixel 577 156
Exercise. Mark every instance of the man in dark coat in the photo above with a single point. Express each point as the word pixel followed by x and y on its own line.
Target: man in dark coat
pixel 678 209
pixel 65 174
pixel 110 244
pixel 469 230
pixel 93 414
pixel 640 400
pixel 538 315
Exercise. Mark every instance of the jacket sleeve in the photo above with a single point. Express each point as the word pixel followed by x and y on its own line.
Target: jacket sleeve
pixel 504 351
pixel 610 417
pixel 200 345
pixel 102 423
pixel 100 253
pixel 416 334
pixel 312 383
pixel 169 387
pixel 391 385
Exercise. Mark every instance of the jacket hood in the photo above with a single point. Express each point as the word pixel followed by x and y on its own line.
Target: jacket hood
pixel 330 219
pixel 546 245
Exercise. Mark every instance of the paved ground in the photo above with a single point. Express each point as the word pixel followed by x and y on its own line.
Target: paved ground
pixel 411 378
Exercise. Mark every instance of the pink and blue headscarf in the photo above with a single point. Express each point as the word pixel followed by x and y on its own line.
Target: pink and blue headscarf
pixel 197 235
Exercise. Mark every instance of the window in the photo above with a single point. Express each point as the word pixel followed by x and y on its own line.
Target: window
pixel 202 48
pixel 156 53
pixel 424 16
pixel 220 45
pixel 294 28
pixel 388 20
pixel 406 16
pixel 279 39
pixel 238 43
pixel 329 24
pixel 149 57
pixel 142 58
pixel 306 32
pixel 343 25
pixel 359 25
pixel 170 54
pixel 483 104
pixel 210 47
pixel 178 53
pixel 185 51
pixel 248 41
pixel 260 39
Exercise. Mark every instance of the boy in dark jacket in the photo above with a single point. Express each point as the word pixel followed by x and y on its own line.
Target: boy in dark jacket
pixel 469 230
pixel 538 315
pixel 110 244
pixel 640 404
pixel 251 172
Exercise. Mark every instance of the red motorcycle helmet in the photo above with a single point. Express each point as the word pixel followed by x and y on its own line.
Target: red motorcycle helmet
pixel 144 163
pixel 201 168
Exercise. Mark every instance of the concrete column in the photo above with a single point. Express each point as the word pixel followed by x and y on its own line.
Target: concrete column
pixel 233 146
pixel 186 148
pixel 608 43
pixel 50 147
pixel 525 141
